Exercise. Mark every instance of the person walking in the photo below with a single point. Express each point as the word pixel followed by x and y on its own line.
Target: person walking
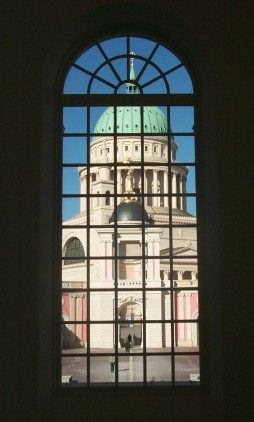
pixel 128 344
pixel 112 363
pixel 134 339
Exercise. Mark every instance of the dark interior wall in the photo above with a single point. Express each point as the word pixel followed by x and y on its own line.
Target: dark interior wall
pixel 223 31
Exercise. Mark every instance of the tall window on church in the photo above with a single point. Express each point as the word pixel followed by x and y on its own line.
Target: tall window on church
pixel 74 252
pixel 132 303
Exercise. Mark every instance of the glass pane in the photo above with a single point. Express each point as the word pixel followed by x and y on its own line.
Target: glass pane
pixel 130 273
pixel 74 371
pixel 74 336
pixel 130 369
pixel 102 338
pixel 101 151
pixel 165 59
pixel 184 241
pixel 181 119
pixel 71 208
pixel 74 306
pixel 90 59
pixel 155 123
pixel 129 247
pixel 158 305
pixel 159 369
pixel 102 306
pixel 187 369
pixel 187 336
pixel 76 82
pixel 102 272
pixel 71 180
pixel 114 46
pixel 101 210
pixel 158 337
pixel 185 272
pixel 129 150
pixel 141 46
pixel 101 372
pixel 180 82
pixel 74 119
pixel 74 150
pixel 101 120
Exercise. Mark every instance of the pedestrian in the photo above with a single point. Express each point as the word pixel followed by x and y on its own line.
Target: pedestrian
pixel 128 344
pixel 134 339
pixel 112 363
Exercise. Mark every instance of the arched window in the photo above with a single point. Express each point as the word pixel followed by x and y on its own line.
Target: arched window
pixel 137 95
pixel 74 252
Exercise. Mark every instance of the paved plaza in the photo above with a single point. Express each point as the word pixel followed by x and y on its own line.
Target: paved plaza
pixel 130 367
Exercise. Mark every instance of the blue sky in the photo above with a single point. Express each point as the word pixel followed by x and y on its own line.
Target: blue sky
pixel 181 118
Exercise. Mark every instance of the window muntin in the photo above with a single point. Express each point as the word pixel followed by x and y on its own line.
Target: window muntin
pixel 165 306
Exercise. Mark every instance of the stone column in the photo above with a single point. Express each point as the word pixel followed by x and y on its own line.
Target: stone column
pixel 83 192
pixel 79 303
pixel 165 176
pixel 72 327
pixel 180 315
pixel 145 186
pixel 181 190
pixel 173 189
pixel 119 184
pixel 155 187
pixel 188 327
pixel 184 191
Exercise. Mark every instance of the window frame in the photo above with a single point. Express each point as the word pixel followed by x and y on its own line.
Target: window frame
pixel 166 28
pixel 114 100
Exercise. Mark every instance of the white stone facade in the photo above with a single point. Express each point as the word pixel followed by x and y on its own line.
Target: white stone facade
pixel 129 243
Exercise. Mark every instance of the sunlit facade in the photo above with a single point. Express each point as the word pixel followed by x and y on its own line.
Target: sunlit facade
pixel 155 213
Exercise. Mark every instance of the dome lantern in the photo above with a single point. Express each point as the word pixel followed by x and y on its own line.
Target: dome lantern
pixel 128 117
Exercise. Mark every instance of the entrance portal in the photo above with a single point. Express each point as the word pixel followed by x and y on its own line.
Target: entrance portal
pixel 129 314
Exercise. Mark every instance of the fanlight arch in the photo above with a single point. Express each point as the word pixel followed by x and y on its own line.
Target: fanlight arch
pixel 112 72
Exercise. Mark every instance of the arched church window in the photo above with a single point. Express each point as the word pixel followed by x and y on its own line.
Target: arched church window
pixel 74 252
pixel 137 96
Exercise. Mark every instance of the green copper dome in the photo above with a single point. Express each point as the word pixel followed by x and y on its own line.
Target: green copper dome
pixel 128 120
pixel 128 117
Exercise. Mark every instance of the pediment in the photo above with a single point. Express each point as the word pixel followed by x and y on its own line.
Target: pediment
pixel 182 251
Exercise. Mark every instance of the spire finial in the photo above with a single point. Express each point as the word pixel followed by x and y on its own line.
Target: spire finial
pixel 132 73
pixel 132 54
pixel 131 87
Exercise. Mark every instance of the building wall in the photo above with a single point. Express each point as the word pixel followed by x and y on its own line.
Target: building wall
pixel 222 30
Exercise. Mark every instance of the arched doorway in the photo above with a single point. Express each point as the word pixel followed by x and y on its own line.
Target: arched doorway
pixel 130 314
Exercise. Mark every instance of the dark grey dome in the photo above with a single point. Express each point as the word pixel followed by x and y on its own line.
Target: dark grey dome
pixel 128 211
